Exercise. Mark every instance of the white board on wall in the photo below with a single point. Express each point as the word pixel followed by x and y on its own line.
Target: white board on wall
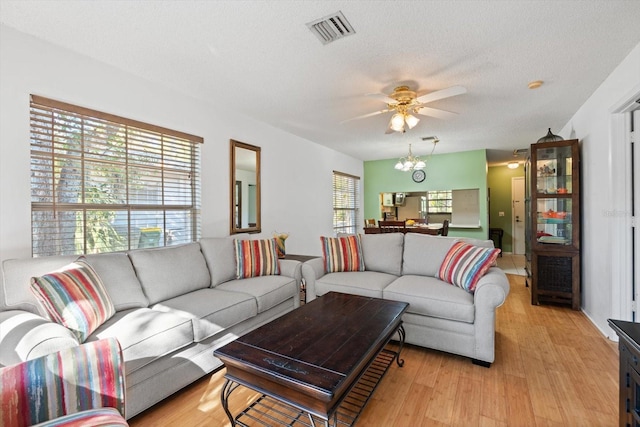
pixel 465 207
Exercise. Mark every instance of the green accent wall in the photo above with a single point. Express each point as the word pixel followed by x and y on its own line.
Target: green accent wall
pixel 499 179
pixel 454 171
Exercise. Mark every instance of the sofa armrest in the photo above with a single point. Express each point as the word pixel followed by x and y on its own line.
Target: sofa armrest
pixel 291 268
pixel 25 336
pixel 492 289
pixel 87 376
pixel 312 270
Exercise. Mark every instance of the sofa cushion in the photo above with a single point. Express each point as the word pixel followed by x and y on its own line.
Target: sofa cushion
pixel 268 291
pixel 170 271
pixel 16 279
pixel 146 335
pixel 210 310
pixel 365 283
pixel 428 296
pixel 74 297
pixel 423 253
pixel 383 252
pixel 220 255
pixel 256 258
pixel 465 264
pixel 119 279
pixel 342 254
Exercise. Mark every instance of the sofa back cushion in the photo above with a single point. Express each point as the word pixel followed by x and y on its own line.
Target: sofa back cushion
pixel 119 279
pixel 220 255
pixel 423 253
pixel 114 269
pixel 171 271
pixel 383 252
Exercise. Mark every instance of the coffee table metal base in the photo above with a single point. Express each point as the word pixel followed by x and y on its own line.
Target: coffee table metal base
pixel 269 411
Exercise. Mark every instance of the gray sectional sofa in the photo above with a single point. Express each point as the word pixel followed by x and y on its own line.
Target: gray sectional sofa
pixel 174 306
pixel 404 268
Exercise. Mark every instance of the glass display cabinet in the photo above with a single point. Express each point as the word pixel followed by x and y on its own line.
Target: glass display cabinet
pixel 555 222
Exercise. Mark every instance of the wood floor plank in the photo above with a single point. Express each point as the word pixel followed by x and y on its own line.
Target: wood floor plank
pixel 553 368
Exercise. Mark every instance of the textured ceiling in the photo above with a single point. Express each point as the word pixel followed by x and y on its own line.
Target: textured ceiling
pixel 259 57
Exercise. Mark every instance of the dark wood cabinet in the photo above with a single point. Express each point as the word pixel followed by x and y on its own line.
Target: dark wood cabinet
pixel 629 346
pixel 554 222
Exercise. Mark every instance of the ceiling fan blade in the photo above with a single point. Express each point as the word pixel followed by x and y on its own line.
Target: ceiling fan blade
pixel 440 94
pixel 375 113
pixel 434 112
pixel 382 97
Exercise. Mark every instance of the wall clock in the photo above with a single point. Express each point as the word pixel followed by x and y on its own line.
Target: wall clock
pixel 418 175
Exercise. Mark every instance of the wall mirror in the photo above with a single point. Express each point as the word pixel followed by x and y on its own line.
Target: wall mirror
pixel 245 188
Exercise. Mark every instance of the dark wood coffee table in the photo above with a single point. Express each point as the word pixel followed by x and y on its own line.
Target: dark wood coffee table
pixel 314 359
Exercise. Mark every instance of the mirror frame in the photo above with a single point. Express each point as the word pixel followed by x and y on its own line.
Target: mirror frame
pixel 258 227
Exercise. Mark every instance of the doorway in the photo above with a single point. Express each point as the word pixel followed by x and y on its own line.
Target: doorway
pixel 517 215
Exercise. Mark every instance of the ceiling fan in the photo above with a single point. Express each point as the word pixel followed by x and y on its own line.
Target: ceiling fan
pixel 404 101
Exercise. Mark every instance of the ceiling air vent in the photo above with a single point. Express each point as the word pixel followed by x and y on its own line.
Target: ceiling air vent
pixel 331 27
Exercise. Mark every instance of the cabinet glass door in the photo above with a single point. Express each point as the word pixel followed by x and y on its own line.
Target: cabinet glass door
pixel 554 201
pixel 553 223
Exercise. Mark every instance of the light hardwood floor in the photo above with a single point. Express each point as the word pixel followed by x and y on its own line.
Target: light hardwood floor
pixel 552 368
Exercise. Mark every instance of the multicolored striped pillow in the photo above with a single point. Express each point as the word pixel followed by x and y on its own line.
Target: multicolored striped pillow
pixel 465 264
pixel 75 297
pixel 256 258
pixel 73 380
pixel 342 254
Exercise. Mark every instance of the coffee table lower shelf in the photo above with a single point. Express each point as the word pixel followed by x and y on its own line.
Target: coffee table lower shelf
pixel 267 411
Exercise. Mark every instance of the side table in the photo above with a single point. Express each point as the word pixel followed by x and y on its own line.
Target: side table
pixel 301 258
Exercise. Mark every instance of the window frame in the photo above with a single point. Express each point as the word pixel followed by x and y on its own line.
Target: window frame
pixel 437 208
pixel 157 170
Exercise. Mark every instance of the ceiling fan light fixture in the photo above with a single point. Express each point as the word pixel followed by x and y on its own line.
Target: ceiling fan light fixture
pixel 397 122
pixel 420 165
pixel 399 165
pixel 411 120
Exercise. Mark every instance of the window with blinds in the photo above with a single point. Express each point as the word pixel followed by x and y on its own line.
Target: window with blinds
pixel 103 183
pixel 346 189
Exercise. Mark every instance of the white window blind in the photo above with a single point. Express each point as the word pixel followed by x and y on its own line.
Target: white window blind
pixel 346 189
pixel 103 183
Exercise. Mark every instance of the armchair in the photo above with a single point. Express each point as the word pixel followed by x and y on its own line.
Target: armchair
pixel 79 386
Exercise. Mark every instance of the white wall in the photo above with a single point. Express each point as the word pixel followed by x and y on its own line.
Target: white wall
pixel 604 195
pixel 296 173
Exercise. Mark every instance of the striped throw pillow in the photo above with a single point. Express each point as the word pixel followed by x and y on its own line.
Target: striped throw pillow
pixel 75 297
pixel 70 381
pixel 342 254
pixel 256 258
pixel 465 264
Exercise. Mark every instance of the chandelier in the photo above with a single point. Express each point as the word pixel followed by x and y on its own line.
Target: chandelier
pixel 411 162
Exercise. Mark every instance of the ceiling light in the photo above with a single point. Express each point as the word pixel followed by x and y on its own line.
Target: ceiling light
pixel 397 122
pixel 399 119
pixel 411 162
pixel 513 165
pixel 535 84
pixel 411 120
